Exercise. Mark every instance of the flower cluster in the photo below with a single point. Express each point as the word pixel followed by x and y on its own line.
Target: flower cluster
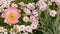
pixel 23 28
pixel 4 4
pixel 42 5
pixel 57 2
pixel 28 13
pixel 3 30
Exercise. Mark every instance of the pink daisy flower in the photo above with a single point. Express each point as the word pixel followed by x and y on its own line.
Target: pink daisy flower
pixel 11 15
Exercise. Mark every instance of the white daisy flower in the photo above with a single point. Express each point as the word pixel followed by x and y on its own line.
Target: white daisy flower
pixel 16 27
pixel 42 8
pixel 1 9
pixel 33 26
pixel 22 4
pixel 22 28
pixel 53 13
pixel 42 5
pixel 5 31
pixel 27 11
pixel 25 19
pixel 49 3
pixel 31 6
pixel 28 29
pixel 58 2
pixel 4 4
pixel 1 29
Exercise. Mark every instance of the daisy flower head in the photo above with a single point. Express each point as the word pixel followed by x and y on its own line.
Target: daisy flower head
pixel 53 13
pixel 57 2
pixel 16 27
pixel 25 18
pixel 28 29
pixel 5 31
pixel 27 11
pixel 33 26
pixel 22 28
pixel 4 4
pixel 22 4
pixel 31 6
pixel 49 3
pixel 1 29
pixel 42 5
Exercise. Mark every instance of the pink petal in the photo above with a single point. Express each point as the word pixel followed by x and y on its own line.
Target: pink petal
pixel 11 22
pixel 3 15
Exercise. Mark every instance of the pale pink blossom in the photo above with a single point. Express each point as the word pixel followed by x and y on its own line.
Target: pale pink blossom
pixel 26 19
pixel 31 6
pixel 28 29
pixel 33 26
pixel 1 29
pixel 53 13
pixel 56 1
pixel 27 11
pixel 22 4
pixel 42 5
pixel 22 28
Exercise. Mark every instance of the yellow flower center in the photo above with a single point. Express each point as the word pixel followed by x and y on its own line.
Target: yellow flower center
pixel 12 16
